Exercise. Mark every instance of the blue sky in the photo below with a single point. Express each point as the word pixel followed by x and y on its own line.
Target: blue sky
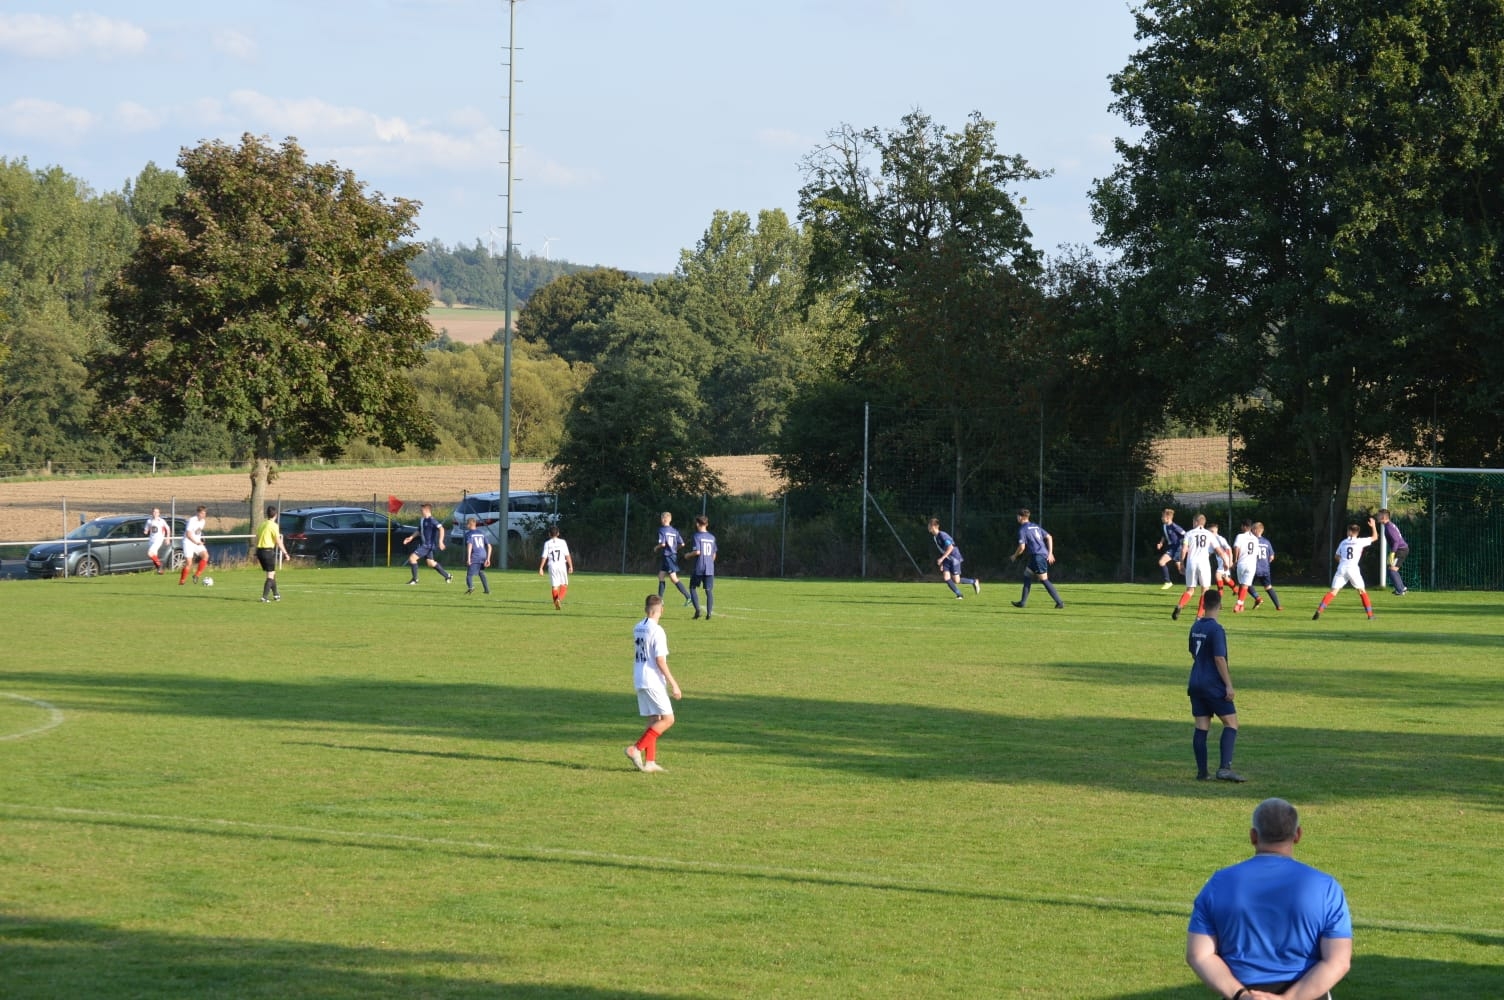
pixel 636 120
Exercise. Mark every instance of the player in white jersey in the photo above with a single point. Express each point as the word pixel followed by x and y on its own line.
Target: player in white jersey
pixel 195 552
pixel 654 681
pixel 1348 553
pixel 1196 550
pixel 1245 551
pixel 559 563
pixel 158 533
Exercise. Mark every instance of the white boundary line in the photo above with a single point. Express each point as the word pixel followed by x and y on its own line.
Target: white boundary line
pixel 54 716
pixel 849 879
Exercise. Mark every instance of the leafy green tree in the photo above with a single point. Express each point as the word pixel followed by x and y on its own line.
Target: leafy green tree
pixel 275 296
pixel 58 244
pixel 566 314
pixel 742 290
pixel 635 429
pixel 1310 213
pixel 919 231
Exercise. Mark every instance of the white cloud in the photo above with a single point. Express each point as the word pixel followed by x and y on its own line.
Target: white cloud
pixel 235 44
pixel 42 36
pixel 132 117
pixel 33 118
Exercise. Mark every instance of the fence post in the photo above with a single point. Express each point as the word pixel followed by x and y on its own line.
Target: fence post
pixel 783 537
pixel 626 517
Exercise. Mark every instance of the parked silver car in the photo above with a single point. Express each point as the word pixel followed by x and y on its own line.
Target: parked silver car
pixel 529 513
pixel 104 545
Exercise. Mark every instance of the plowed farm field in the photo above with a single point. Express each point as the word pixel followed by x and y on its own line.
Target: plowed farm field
pixel 35 510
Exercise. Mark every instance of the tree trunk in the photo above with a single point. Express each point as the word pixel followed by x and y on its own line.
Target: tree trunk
pixel 261 470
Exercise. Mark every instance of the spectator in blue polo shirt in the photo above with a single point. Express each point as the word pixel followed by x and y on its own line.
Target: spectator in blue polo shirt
pixel 1270 926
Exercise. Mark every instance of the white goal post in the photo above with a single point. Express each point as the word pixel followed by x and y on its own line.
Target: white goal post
pixel 1448 511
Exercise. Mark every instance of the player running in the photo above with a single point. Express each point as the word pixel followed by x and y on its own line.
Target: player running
pixel 950 561
pixel 195 552
pixel 1196 550
pixel 159 533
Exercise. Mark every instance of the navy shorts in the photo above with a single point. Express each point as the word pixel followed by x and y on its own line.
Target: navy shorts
pixel 952 566
pixel 1206 704
pixel 1038 565
pixel 669 564
pixel 427 552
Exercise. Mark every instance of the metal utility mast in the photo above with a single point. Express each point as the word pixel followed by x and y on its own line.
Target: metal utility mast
pixel 504 504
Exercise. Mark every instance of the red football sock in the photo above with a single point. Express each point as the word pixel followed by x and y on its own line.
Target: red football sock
pixel 1185 598
pixel 648 744
pixel 1367 604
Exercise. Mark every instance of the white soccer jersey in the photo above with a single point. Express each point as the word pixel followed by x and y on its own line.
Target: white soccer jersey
pixel 1197 546
pixel 1349 553
pixel 193 537
pixel 650 642
pixel 1245 549
pixel 556 557
pixel 156 532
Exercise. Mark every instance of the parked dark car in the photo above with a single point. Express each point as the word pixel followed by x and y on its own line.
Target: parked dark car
pixel 104 545
pixel 341 535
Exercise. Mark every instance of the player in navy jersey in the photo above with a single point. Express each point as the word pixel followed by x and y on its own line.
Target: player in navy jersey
pixel 1168 545
pixel 703 551
pixel 430 535
pixel 669 544
pixel 1210 688
pixel 1263 575
pixel 477 555
pixel 950 561
pixel 1041 548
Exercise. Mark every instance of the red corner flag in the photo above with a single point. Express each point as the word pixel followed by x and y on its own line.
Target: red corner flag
pixel 393 504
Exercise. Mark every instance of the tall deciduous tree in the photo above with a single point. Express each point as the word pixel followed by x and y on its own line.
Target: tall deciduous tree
pixel 275 296
pixel 1309 213
pixel 920 230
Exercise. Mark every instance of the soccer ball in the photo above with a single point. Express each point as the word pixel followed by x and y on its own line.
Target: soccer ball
pixel 208 581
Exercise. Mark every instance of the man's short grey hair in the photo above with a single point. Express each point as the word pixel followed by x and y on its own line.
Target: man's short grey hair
pixel 1275 821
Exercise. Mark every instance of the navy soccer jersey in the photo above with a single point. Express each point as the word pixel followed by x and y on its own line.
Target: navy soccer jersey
pixel 672 542
pixel 1173 533
pixel 703 546
pixel 943 542
pixel 1207 642
pixel 476 540
pixel 1034 540
pixel 1266 553
pixel 428 535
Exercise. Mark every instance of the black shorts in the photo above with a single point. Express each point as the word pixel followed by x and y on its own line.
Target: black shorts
pixel 267 558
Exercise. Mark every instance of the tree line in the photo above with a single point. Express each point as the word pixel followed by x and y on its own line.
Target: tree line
pixel 1298 248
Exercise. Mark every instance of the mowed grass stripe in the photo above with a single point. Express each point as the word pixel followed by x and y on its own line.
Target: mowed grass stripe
pixel 873 789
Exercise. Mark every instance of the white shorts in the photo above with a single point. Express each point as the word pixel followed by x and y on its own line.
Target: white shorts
pixel 156 546
pixel 1348 575
pixel 654 701
pixel 1247 571
pixel 1198 573
pixel 192 551
pixel 558 576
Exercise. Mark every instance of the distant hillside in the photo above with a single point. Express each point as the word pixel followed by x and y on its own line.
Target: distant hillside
pixel 472 276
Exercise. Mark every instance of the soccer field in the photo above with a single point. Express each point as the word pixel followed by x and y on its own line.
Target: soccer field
pixel 872 790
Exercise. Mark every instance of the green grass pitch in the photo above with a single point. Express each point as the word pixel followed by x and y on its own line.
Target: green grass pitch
pixel 873 789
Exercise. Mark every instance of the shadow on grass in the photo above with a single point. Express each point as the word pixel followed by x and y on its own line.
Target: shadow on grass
pixel 48 958
pixel 882 740
pixel 1380 976
pixel 1392 686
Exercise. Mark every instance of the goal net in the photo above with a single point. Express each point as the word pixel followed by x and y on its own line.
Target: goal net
pixel 1453 521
